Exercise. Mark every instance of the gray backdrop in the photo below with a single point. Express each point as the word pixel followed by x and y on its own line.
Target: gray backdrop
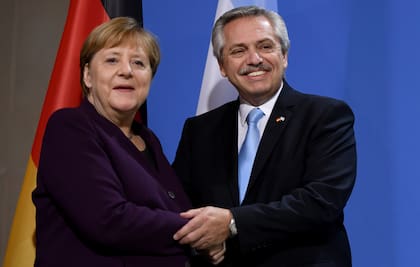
pixel 30 35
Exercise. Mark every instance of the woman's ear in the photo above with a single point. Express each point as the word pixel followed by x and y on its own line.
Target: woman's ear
pixel 86 76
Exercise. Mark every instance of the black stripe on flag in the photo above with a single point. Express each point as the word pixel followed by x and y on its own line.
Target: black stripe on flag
pixel 127 8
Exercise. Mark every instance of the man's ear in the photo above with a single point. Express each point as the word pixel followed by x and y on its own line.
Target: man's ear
pixel 285 60
pixel 222 70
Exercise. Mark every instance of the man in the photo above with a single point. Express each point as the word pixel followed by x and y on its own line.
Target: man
pixel 290 212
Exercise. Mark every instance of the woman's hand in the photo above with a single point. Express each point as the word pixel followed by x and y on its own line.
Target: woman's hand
pixel 216 253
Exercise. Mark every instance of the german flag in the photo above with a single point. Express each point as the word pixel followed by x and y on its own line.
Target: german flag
pixel 64 90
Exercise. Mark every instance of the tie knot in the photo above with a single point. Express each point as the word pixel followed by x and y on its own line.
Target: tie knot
pixel 254 116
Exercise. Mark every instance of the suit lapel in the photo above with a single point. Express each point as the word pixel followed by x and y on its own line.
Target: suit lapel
pixel 276 124
pixel 230 150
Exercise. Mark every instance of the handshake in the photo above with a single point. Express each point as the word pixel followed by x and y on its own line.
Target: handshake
pixel 206 232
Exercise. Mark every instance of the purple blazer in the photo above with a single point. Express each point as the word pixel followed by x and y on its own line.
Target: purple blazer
pixel 99 201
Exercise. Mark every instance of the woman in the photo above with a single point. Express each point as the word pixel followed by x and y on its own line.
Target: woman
pixel 106 195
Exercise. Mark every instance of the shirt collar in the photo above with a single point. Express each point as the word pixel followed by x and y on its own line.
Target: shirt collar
pixel 267 107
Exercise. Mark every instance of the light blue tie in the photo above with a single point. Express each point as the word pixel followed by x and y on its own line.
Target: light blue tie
pixel 248 150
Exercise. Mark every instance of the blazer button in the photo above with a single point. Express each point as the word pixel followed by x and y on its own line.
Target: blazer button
pixel 171 194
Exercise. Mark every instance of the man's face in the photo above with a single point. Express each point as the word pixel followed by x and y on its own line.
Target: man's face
pixel 252 59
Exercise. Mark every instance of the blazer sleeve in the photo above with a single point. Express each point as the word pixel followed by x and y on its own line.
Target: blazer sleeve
pixel 77 173
pixel 316 205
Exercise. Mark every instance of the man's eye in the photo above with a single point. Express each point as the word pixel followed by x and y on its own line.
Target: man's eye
pixel 266 47
pixel 237 52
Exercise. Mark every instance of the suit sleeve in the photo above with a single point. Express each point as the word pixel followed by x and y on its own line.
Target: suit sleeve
pixel 316 205
pixel 182 162
pixel 77 173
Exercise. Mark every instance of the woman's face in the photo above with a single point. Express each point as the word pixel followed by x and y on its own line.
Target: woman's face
pixel 118 79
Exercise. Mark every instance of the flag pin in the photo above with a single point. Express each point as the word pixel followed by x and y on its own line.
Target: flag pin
pixel 280 119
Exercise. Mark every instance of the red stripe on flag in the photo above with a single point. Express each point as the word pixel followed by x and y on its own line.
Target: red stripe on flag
pixel 64 89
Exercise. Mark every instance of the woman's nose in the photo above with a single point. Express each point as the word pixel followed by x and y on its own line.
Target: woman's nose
pixel 125 68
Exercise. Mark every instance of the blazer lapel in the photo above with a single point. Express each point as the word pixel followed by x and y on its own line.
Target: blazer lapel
pixel 152 146
pixel 276 124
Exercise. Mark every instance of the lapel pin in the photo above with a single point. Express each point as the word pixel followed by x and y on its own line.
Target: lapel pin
pixel 280 119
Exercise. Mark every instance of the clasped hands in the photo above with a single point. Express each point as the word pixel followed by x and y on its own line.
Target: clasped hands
pixel 206 231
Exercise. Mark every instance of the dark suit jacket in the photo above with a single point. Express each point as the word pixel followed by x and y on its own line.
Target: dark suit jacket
pixel 99 202
pixel 302 177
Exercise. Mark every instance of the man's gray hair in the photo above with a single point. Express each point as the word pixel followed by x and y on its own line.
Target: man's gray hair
pixel 276 21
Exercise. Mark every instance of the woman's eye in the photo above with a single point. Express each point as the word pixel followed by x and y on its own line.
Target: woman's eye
pixel 111 60
pixel 139 63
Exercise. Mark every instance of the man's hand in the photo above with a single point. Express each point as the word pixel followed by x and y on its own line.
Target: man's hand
pixel 208 227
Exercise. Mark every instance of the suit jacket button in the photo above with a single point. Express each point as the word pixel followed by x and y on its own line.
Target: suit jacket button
pixel 171 194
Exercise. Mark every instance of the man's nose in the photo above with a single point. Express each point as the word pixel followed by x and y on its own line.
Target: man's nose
pixel 254 57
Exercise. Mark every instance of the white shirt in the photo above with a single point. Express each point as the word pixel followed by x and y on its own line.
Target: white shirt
pixel 245 108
